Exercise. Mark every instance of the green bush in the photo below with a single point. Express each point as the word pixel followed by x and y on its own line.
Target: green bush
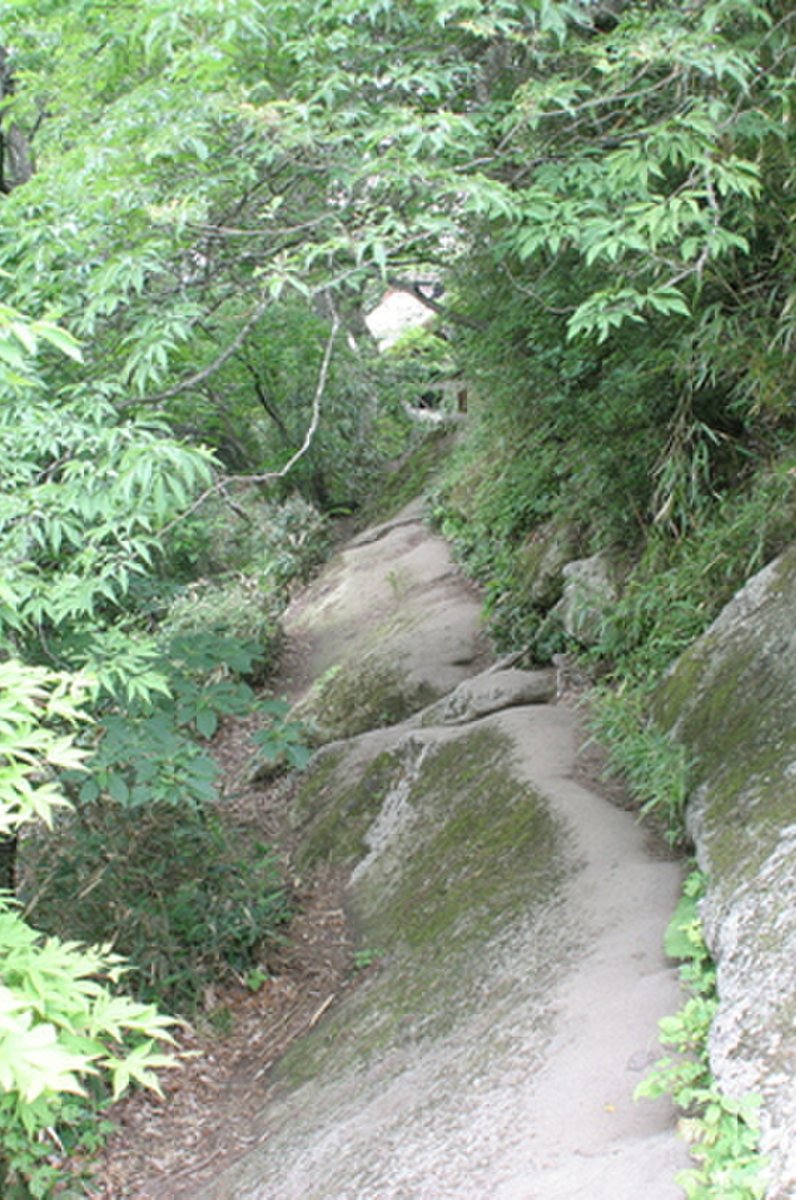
pixel 68 1035
pixel 723 1133
pixel 148 745
pixel 681 583
pixel 189 900
pixel 653 764
pixel 235 608
pixel 275 540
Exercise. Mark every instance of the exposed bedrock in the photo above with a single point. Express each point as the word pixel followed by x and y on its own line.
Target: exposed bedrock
pixel 732 700
pixel 511 920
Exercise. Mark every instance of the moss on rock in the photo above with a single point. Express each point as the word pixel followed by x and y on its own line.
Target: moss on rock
pixel 452 851
pixel 369 693
pixel 332 820
pixel 730 700
pixel 540 562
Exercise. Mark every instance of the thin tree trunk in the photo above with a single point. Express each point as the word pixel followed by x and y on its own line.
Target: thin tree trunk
pixel 8 863
pixel 16 161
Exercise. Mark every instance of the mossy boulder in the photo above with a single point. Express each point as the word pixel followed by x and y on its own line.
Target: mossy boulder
pixel 458 875
pixel 590 590
pixel 361 695
pixel 541 560
pixel 510 924
pixel 731 700
pixel 444 844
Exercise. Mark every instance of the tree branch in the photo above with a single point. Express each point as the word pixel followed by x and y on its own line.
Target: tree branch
pixel 200 376
pixel 271 476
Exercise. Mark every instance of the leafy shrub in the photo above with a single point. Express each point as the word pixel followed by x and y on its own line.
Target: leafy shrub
pixel 63 1021
pixel 292 543
pixel 234 608
pixel 283 741
pixel 654 765
pixel 680 584
pixel 187 899
pixel 723 1133
pixel 146 745
pixel 276 541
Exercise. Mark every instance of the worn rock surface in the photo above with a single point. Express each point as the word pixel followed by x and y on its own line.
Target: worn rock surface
pixel 387 627
pixel 731 699
pixel 509 920
pixel 491 692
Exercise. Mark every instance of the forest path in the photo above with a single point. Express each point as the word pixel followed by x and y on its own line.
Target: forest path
pixel 527 1093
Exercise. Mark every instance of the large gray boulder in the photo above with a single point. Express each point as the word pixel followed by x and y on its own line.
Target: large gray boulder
pixel 517 921
pixel 731 699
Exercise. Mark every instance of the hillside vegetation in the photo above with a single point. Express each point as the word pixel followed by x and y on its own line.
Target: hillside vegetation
pixel 199 200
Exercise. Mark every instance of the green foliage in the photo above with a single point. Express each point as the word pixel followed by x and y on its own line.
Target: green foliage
pixel 284 741
pixel 62 1021
pixel 187 899
pixel 20 342
pixel 413 473
pixel 280 542
pixel 367 957
pixel 80 509
pixel 680 585
pixel 607 210
pixel 653 764
pixel 722 1132
pixel 148 748
pixel 29 700
pixel 149 759
pixel 238 610
pixel 625 323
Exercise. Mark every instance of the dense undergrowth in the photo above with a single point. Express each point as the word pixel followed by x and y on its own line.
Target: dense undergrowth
pixel 147 860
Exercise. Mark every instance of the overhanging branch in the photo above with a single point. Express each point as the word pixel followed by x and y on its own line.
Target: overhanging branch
pixel 271 476
pixel 413 288
pixel 200 376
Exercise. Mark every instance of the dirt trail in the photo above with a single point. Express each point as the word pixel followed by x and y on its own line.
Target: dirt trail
pixel 527 1091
